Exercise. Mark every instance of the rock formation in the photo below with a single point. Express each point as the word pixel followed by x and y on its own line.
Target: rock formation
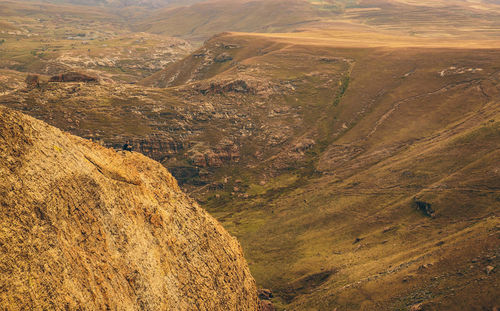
pixel 86 227
pixel 424 207
pixel 32 81
pixel 72 77
pixel 222 58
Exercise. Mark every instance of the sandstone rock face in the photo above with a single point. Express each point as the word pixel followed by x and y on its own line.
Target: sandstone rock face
pixel 224 87
pixel 85 227
pixel 156 147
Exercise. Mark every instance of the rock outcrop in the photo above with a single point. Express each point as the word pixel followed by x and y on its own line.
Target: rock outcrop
pixel 224 87
pixel 156 147
pixel 32 81
pixel 72 77
pixel 222 58
pixel 85 227
pixel 424 207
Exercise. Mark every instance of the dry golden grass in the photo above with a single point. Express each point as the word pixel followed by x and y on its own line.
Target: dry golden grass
pixel 357 37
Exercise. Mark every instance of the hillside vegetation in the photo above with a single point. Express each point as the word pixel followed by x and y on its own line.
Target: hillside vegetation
pixel 459 19
pixel 202 20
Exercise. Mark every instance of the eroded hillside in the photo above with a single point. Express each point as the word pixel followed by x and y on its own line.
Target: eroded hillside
pixel 85 227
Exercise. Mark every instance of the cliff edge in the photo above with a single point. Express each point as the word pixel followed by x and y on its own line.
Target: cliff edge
pixel 85 227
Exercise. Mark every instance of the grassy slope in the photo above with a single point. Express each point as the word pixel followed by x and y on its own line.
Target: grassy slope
pixel 410 18
pixel 390 123
pixel 202 20
pixel 420 134
pixel 49 39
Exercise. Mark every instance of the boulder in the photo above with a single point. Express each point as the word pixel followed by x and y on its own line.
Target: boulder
pixel 424 207
pixel 32 81
pixel 265 294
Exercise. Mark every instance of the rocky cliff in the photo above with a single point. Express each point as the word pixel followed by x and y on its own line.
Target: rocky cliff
pixel 82 226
